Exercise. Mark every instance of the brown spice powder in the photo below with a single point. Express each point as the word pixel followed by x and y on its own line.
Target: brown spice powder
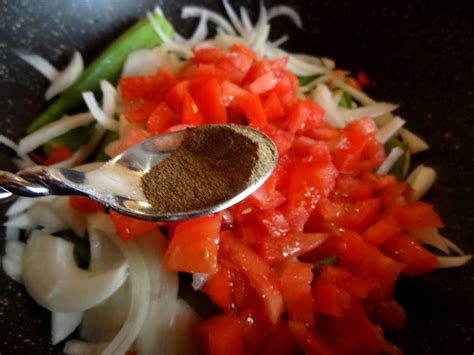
pixel 212 164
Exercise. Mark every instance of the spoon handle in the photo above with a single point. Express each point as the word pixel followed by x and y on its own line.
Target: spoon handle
pixel 30 182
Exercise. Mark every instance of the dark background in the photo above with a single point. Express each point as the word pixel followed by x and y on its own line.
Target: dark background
pixel 418 53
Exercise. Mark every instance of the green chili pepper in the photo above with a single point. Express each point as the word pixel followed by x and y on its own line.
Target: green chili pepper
pixel 307 79
pixel 398 167
pixel 346 100
pixel 108 66
pixel 73 140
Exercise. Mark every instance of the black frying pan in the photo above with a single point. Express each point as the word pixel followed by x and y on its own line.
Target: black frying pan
pixel 418 53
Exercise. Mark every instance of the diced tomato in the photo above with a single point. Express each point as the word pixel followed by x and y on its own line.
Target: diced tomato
pixel 388 314
pixel 57 155
pixel 131 138
pixel 178 127
pixel 363 78
pixel 220 335
pixel 261 276
pixel 354 188
pixel 218 288
pixel 280 341
pixel 262 67
pixel 242 291
pixel 175 96
pixel 194 246
pixel 354 83
pixel 161 119
pixel 273 108
pixel 373 153
pixel 136 88
pixel 365 126
pixel 264 83
pixel 253 327
pixel 190 112
pixel 382 230
pixel 330 299
pixel 252 108
pixel 296 289
pixel 305 115
pixel 402 248
pixel 307 340
pixel 208 98
pixel 128 227
pixel 281 138
pixel 139 113
pixel 84 204
pixel 343 279
pixel 346 154
pixel 267 196
pixel 417 214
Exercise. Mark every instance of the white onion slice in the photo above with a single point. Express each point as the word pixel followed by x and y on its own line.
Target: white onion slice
pixel 278 42
pixel 79 347
pixel 46 215
pixel 356 94
pixel 90 147
pixel 236 22
pixel 390 161
pixel 219 20
pixel 429 236
pixel 140 62
pixel 258 43
pixel 8 142
pixel 246 22
pixel 453 246
pixel 98 113
pixel 283 10
pixel 156 26
pixel 54 281
pixel 446 262
pixel 389 130
pixel 53 130
pixel 12 233
pixel 414 142
pixel 421 180
pixel 313 83
pixel 200 33
pixel 21 204
pixel 40 64
pixel 182 325
pixel 374 110
pixel 13 259
pixel 323 97
pixel 63 324
pixel 20 221
pixel 109 98
pixel 75 221
pixel 67 77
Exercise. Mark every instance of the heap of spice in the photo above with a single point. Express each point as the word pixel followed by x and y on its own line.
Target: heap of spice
pixel 212 164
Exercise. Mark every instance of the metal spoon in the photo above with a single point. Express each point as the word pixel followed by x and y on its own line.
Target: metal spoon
pixel 117 183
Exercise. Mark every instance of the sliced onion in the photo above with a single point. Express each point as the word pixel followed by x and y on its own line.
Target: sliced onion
pixel 83 348
pixel 283 10
pixel 53 130
pixel 45 215
pixel 156 331
pixel 246 22
pixel 258 43
pixel 63 324
pixel 109 98
pixel 414 142
pixel 102 222
pixel 182 325
pixel 54 281
pixel 156 26
pixel 13 259
pixel 8 142
pixel 20 221
pixel 12 233
pixel 140 299
pixel 389 130
pixel 323 97
pixel 21 204
pixel 421 180
pixel 40 64
pixel 98 113
pixel 200 33
pixel 67 77
pixel 236 22
pixel 390 161
pixel 356 94
pixel 278 42
pixel 75 221
pixel 429 236
pixel 314 83
pixel 219 20
pixel 199 280
pixel 140 62
pixel 374 110
pixel 90 147
pixel 453 246
pixel 453 261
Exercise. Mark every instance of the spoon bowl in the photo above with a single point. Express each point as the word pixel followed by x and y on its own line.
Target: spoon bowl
pixel 117 184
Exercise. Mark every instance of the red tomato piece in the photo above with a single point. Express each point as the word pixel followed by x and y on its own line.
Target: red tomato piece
pixel 364 126
pixel 220 335
pixel 208 97
pixel 330 299
pixel 260 275
pixel 280 341
pixel 296 289
pixel 253 327
pixel 402 248
pixel 282 139
pixel 267 196
pixel 131 138
pixel 190 113
pixel 194 246
pixel 355 189
pixel 389 314
pixel 417 214
pixel 136 88
pixel 264 83
pixel 262 67
pixel 218 288
pixel 307 340
pixel 161 119
pixel 84 204
pixel 175 97
pixel 139 113
pixel 346 154
pixel 252 108
pixel 305 115
pixel 57 155
pixel 272 107
pixel 382 230
pixel 128 227
pixel 242 291
pixel 363 78
pixel 345 280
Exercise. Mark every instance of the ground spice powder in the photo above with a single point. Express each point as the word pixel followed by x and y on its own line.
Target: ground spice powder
pixel 212 164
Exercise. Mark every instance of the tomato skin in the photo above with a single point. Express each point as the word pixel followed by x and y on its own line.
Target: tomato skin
pixel 402 248
pixel 139 113
pixel 383 229
pixel 85 204
pixel 220 335
pixel 252 108
pixel 194 246
pixel 128 227
pixel 273 108
pixel 417 214
pixel 296 289
pixel 260 275
pixel 208 98
pixel 330 299
pixel 218 288
pixel 161 118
